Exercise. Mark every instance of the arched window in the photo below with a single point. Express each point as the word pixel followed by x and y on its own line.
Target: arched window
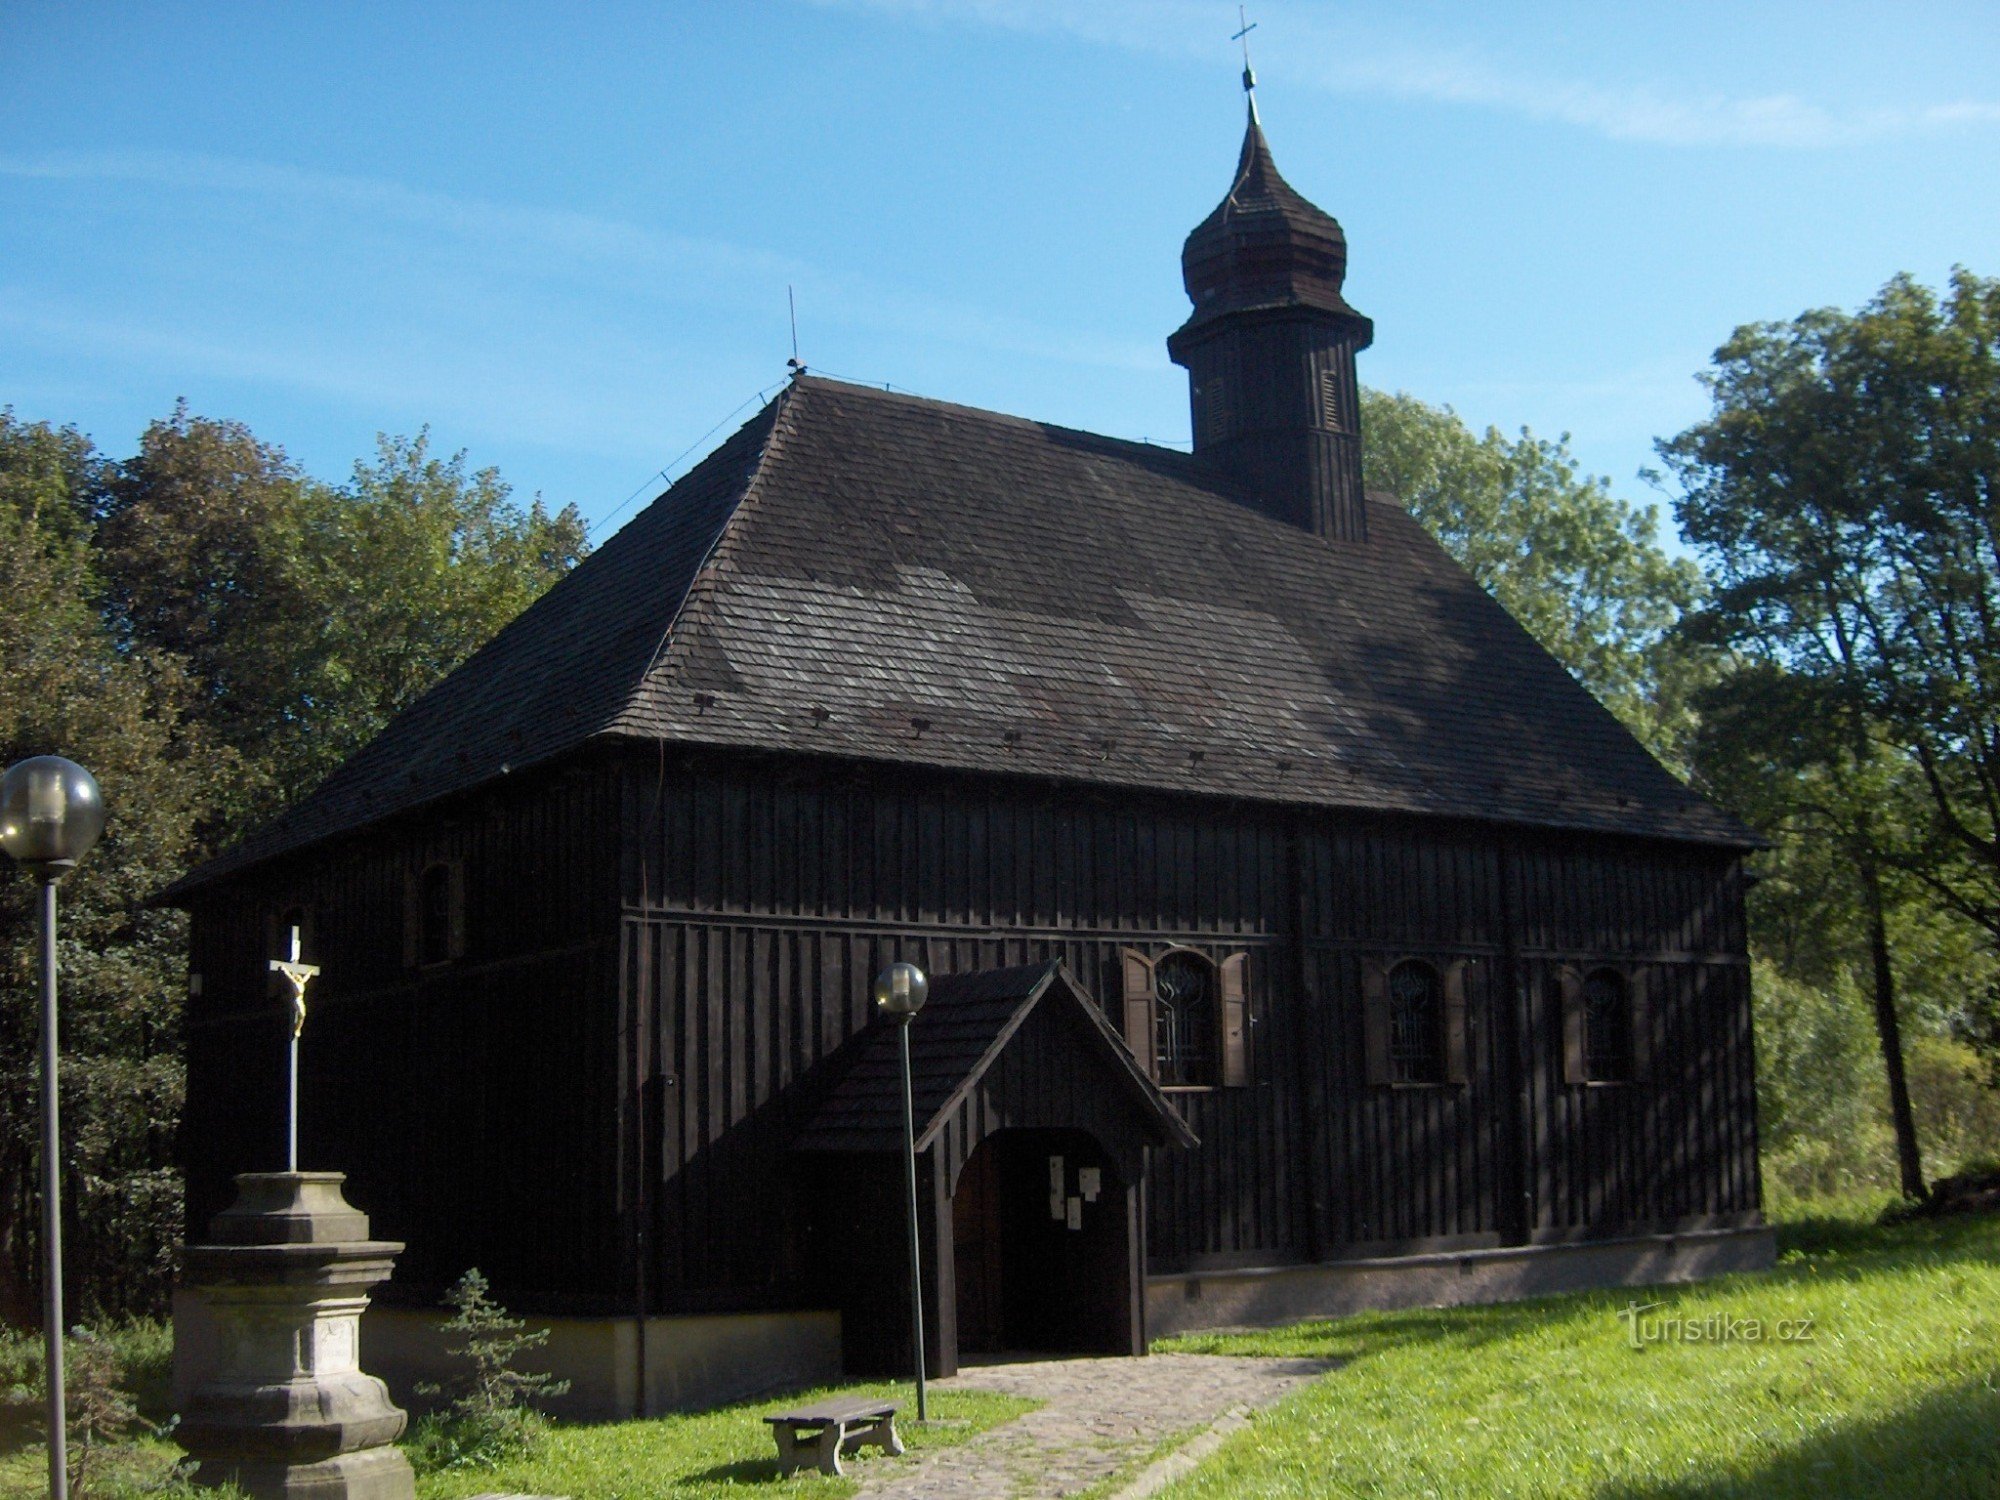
pixel 434 913
pixel 1607 1027
pixel 1184 1021
pixel 435 899
pixel 1187 1018
pixel 1416 1024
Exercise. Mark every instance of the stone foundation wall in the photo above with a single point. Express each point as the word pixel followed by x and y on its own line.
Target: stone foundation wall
pixel 1288 1294
pixel 691 1362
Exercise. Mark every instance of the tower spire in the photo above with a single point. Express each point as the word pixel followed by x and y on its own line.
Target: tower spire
pixel 1269 349
pixel 1249 73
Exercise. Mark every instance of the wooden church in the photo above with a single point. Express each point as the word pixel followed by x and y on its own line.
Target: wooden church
pixel 1303 937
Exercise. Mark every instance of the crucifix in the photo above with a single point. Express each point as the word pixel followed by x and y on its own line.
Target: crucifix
pixel 1249 77
pixel 298 975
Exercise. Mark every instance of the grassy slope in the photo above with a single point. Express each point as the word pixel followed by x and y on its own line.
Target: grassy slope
pixel 1898 1393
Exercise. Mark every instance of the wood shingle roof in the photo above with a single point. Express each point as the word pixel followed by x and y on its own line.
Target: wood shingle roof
pixel 881 577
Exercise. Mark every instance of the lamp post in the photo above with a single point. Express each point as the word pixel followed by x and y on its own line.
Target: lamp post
pixel 51 813
pixel 900 992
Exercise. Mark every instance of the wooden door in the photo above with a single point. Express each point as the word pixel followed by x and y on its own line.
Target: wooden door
pixel 976 1229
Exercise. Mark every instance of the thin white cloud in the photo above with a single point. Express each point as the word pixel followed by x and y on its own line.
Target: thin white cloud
pixel 1348 56
pixel 556 237
pixel 601 414
pixel 556 245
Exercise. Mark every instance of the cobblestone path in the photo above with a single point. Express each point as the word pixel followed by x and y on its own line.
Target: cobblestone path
pixel 1099 1416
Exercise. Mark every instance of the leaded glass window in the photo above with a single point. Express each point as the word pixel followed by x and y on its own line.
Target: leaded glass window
pixel 1184 1019
pixel 1416 1024
pixel 1607 1027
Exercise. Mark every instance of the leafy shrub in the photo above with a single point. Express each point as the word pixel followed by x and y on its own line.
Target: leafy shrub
pixel 141 1355
pixel 102 1416
pixel 1957 1108
pixel 116 1381
pixel 1822 1105
pixel 489 1418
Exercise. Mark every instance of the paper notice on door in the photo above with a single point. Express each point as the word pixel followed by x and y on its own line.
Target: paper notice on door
pixel 1076 1213
pixel 1089 1182
pixel 1057 1189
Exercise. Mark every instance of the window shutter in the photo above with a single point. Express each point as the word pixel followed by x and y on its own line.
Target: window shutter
pixel 413 917
pixel 1456 1042
pixel 1642 1025
pixel 1571 982
pixel 1375 1018
pixel 1235 1010
pixel 1138 972
pixel 455 935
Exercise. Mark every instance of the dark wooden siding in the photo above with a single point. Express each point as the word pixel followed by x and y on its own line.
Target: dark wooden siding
pixel 597 1110
pixel 1679 1144
pixel 766 894
pixel 474 1104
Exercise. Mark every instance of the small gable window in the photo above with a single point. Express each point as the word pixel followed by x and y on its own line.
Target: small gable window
pixel 1187 1017
pixel 434 914
pixel 1604 1025
pixel 1414 1019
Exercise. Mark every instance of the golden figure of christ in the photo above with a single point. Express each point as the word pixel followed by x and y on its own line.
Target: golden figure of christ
pixel 299 975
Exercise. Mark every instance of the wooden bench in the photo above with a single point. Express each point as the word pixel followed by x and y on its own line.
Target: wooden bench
pixel 819 1434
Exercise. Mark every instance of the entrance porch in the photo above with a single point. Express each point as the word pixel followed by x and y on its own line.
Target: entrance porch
pixel 1032 1125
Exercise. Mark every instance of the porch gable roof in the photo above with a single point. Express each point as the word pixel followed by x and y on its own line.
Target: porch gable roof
pixel 959 1035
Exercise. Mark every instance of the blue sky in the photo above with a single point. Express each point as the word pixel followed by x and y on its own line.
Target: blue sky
pixel 562 235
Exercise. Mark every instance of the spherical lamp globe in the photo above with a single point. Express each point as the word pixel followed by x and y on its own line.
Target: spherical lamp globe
pixel 51 812
pixel 900 990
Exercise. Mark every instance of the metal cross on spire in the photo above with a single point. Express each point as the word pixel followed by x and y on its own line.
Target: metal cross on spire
pixel 1249 75
pixel 298 975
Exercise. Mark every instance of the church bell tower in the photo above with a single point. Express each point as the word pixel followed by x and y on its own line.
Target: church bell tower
pixel 1269 350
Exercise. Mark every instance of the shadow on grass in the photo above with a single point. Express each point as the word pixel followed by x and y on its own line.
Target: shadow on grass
pixel 1939 1448
pixel 743 1471
pixel 1841 1248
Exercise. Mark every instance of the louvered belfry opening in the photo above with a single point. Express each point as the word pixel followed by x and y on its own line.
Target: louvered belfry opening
pixel 1269 351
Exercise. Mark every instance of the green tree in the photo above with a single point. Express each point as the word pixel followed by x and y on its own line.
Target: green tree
pixel 1779 750
pixel 307 615
pixel 209 631
pixel 66 686
pixel 492 1413
pixel 1844 489
pixel 200 536
pixel 416 563
pixel 1581 569
pixel 1842 492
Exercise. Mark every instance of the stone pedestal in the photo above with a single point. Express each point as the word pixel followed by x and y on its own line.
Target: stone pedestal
pixel 285 1409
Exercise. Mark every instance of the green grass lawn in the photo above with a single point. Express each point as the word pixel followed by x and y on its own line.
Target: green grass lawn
pixel 717 1455
pixel 1895 1393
